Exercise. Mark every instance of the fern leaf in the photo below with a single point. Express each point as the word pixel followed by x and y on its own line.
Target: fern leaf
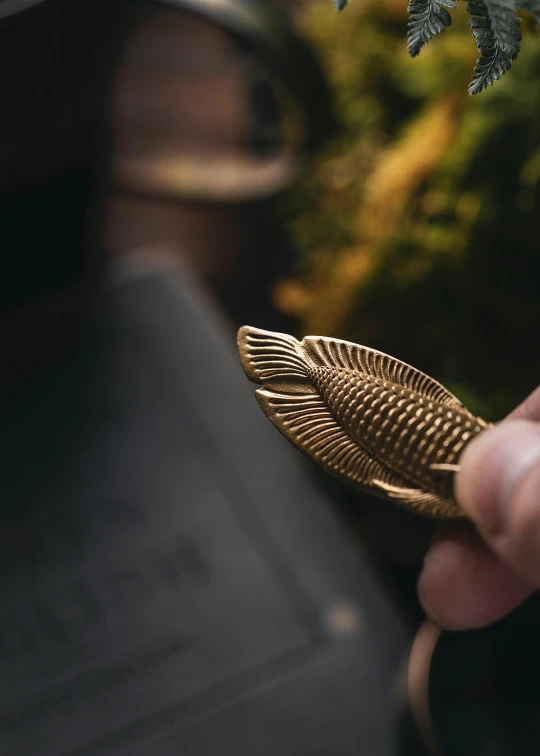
pixel 428 18
pixel 532 6
pixel 495 26
pixel 340 4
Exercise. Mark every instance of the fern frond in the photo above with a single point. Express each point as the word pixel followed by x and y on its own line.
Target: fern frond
pixel 495 26
pixel 532 6
pixel 340 4
pixel 428 18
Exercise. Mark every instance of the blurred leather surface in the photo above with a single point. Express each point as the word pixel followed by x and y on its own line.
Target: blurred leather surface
pixel 171 580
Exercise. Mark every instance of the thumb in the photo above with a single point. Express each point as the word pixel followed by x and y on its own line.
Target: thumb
pixel 498 486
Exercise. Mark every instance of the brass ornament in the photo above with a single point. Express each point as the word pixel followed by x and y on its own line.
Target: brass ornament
pixel 367 418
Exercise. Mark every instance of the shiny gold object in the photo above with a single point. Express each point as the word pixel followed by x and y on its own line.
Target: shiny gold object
pixel 367 418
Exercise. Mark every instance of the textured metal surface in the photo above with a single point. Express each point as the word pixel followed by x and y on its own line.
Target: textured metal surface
pixel 366 417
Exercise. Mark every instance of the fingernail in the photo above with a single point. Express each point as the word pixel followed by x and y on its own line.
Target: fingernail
pixel 492 467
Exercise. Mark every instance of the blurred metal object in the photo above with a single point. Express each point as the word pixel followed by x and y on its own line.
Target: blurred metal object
pixel 418 686
pixel 476 692
pixel 173 167
pixel 368 418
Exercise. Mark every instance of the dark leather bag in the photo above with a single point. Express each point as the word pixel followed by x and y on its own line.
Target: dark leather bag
pixel 289 67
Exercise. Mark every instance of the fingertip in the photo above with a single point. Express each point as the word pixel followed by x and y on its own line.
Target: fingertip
pixel 463 586
pixel 491 467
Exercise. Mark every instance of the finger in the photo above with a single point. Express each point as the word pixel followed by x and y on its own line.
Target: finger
pixel 464 586
pixel 499 488
pixel 529 409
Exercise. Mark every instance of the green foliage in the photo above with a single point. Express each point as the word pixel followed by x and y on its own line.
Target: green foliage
pixel 428 18
pixel 417 229
pixel 495 25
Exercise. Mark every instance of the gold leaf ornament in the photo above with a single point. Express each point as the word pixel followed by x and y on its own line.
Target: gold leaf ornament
pixel 367 418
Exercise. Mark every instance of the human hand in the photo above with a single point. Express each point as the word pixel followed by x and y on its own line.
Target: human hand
pixel 472 578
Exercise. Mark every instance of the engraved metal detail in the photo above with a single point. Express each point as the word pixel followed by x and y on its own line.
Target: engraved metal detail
pixel 371 420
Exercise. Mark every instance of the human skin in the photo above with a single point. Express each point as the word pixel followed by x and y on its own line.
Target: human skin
pixel 474 576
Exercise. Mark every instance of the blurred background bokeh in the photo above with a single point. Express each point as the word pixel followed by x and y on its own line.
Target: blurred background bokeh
pixel 355 193
pixel 411 228
pixel 417 229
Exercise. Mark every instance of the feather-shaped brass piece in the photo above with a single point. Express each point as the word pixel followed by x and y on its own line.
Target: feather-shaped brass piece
pixel 371 420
